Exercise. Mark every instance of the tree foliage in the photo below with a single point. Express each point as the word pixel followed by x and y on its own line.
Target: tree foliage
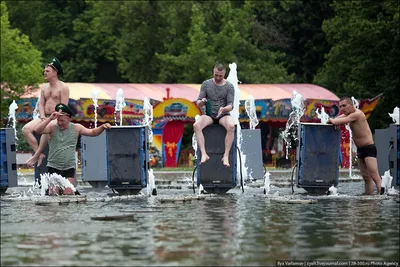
pixel 363 61
pixel 20 63
pixel 349 47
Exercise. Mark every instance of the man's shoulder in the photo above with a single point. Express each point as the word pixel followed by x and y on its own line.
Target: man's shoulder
pixel 63 85
pixel 207 82
pixel 359 112
pixel 229 84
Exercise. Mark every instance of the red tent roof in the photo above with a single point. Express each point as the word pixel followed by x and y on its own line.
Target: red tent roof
pixel 191 91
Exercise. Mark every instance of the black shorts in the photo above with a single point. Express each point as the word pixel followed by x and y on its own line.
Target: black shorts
pixel 366 151
pixel 216 120
pixel 65 173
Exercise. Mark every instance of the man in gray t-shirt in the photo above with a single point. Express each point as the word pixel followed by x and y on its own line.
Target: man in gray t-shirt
pixel 219 94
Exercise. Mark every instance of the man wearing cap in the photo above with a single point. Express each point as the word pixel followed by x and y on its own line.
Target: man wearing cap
pixel 51 93
pixel 62 142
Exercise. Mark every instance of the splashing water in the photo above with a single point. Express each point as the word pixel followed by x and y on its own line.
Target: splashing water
pixel 36 113
pixel 386 181
pixel 119 105
pixel 322 115
pixel 350 150
pixel 395 115
pixel 148 121
pixel 233 79
pixel 151 185
pixel 194 140
pixel 356 104
pixel 148 117
pixel 54 180
pixel 333 191
pixel 11 117
pixel 95 94
pixel 290 132
pixel 348 128
pixel 267 183
pixel 201 189
pixel 251 112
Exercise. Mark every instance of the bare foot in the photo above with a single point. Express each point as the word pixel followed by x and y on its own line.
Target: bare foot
pixel 204 158
pixel 41 157
pixel 225 161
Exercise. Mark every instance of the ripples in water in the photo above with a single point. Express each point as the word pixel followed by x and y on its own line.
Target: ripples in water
pixel 233 230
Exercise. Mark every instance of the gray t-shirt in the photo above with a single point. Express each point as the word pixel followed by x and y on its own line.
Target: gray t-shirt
pixel 218 95
pixel 62 147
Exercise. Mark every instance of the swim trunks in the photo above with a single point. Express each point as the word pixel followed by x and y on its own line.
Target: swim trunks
pixel 366 151
pixel 64 173
pixel 216 120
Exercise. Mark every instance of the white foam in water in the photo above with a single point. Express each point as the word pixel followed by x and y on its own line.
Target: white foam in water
pixel 233 79
pixel 267 183
pixel 251 112
pixel 322 115
pixel 201 189
pixel 387 182
pixel 95 94
pixel 293 120
pixel 119 105
pixel 54 180
pixel 395 115
pixel 333 191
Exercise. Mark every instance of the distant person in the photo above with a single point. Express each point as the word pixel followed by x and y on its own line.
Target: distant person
pixel 220 94
pixel 51 93
pixel 362 137
pixel 62 142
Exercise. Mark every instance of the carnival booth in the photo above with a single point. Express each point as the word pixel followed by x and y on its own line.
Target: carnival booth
pixel 174 106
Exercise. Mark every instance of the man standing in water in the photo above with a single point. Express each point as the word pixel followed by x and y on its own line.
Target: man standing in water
pixel 51 93
pixel 362 137
pixel 62 143
pixel 220 95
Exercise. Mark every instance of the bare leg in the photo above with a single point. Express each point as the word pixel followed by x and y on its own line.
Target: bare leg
pixel 39 156
pixel 27 132
pixel 368 183
pixel 198 127
pixel 229 125
pixel 372 168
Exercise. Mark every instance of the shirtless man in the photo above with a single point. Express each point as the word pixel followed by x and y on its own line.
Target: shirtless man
pixel 362 137
pixel 220 94
pixel 51 93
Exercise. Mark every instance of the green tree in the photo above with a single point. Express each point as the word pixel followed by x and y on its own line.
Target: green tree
pixel 221 33
pixel 295 29
pixel 363 61
pixel 49 25
pixel 20 63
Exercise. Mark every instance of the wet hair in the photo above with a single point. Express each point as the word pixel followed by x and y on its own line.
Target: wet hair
pixel 219 67
pixel 347 99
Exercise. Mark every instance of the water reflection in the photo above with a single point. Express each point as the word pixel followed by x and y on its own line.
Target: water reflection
pixel 232 230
